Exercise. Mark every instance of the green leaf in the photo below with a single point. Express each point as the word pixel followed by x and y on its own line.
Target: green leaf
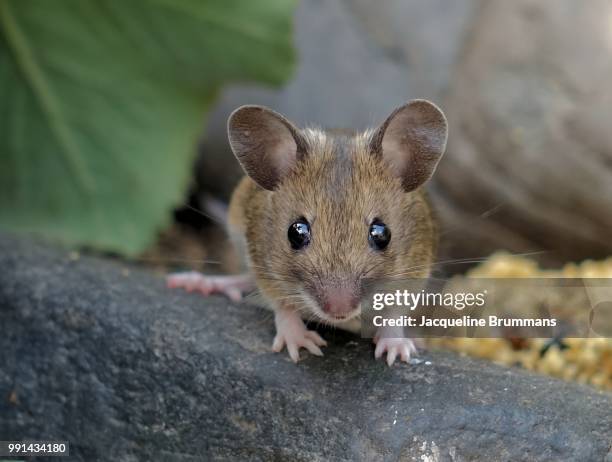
pixel 102 101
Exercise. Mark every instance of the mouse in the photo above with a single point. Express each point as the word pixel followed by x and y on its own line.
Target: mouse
pixel 319 212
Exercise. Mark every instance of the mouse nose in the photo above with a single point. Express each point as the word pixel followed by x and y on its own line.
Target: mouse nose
pixel 339 302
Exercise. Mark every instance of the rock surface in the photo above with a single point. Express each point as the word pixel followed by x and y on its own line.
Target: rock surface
pixel 106 357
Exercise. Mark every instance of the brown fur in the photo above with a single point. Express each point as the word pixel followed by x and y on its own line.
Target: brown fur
pixel 340 186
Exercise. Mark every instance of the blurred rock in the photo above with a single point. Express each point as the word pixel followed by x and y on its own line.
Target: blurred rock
pixel 530 141
pixel 107 358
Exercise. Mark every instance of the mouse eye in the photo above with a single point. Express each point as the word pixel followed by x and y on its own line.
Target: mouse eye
pixel 379 235
pixel 299 234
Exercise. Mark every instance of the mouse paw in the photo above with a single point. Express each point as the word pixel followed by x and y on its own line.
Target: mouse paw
pixel 403 347
pixel 291 333
pixel 231 286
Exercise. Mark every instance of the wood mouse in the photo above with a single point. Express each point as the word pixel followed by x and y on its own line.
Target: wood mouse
pixel 320 211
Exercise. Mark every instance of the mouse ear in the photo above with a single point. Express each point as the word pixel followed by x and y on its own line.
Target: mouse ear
pixel 412 141
pixel 265 143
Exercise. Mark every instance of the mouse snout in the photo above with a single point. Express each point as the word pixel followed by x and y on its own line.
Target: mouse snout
pixel 340 302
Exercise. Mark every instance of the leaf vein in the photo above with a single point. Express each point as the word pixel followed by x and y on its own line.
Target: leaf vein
pixel 34 76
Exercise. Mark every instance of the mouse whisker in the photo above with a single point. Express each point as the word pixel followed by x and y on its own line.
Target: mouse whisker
pixel 470 260
pixel 175 260
pixel 482 216
pixel 316 270
pixel 273 278
pixel 206 215
pixel 372 268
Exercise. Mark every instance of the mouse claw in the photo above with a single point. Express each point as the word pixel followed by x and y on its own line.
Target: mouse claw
pixel 278 344
pixel 316 338
pixel 404 347
pixel 296 341
pixel 312 347
pixel 391 355
pixel 292 334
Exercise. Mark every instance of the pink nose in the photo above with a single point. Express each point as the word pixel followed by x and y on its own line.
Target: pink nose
pixel 339 302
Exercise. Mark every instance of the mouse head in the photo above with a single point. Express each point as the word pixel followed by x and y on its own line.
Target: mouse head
pixel 338 208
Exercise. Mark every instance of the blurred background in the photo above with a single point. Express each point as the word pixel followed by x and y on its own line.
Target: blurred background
pixel 525 85
pixel 113 115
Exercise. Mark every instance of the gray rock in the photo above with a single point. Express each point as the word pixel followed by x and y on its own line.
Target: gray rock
pixel 106 357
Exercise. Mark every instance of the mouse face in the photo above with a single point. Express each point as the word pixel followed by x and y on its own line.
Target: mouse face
pixel 340 218
pixel 336 210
